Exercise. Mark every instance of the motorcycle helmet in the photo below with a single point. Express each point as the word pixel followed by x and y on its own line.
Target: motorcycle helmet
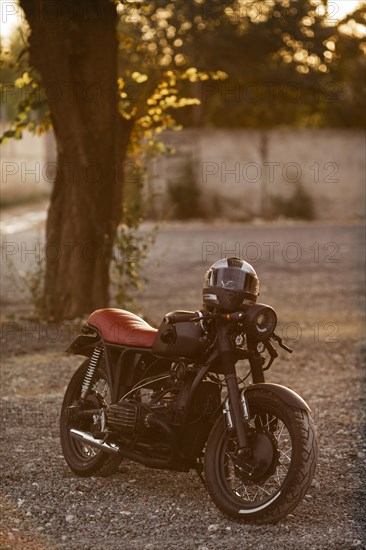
pixel 229 284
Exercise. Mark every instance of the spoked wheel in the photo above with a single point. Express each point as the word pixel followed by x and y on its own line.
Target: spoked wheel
pixel 84 459
pixel 271 484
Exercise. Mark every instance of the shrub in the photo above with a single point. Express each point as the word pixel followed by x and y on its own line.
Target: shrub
pixel 299 206
pixel 185 195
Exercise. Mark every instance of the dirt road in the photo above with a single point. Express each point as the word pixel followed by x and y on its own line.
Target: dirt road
pixel 313 276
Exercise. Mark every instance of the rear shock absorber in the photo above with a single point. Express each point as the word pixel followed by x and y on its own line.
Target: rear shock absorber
pixel 94 360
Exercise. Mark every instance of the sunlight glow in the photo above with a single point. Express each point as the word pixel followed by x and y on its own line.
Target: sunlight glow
pixel 12 16
pixel 344 7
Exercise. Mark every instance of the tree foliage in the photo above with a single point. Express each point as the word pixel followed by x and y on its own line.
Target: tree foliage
pixel 286 63
pixel 244 63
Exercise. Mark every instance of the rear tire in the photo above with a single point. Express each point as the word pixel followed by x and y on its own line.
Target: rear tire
pixel 286 438
pixel 83 459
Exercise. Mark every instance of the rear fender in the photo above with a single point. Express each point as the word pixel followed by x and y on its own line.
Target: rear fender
pixel 84 344
pixel 288 396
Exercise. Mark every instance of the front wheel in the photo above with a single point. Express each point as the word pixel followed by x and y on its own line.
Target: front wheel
pixel 284 451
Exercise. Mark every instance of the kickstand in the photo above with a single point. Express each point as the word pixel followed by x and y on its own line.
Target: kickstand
pixel 199 469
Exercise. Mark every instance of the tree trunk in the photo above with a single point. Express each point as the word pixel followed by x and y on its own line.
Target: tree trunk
pixel 73 45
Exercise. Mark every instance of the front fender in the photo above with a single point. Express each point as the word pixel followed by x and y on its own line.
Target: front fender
pixel 288 396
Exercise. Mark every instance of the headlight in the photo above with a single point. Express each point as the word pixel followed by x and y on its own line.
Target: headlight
pixel 260 322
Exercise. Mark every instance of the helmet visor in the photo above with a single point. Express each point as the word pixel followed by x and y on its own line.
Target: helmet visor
pixel 233 279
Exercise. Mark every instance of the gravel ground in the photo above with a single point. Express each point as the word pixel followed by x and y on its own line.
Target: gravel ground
pixel 319 304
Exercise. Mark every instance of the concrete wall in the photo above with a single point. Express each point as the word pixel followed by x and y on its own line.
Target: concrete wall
pixel 27 166
pixel 240 170
pixel 243 169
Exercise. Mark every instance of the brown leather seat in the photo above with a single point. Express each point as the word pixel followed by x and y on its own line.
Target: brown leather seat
pixel 118 326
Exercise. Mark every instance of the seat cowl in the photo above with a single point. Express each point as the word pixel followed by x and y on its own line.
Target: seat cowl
pixel 118 326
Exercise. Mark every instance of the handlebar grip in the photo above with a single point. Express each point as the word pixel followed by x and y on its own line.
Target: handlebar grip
pixel 286 348
pixel 271 350
pixel 281 344
pixel 180 317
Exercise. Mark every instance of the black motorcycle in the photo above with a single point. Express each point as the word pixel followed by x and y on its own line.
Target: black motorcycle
pixel 172 398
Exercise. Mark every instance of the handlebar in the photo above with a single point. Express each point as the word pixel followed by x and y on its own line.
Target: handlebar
pixel 180 317
pixel 271 350
pixel 187 316
pixel 199 316
pixel 281 344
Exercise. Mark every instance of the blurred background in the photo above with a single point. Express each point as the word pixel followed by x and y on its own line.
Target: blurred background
pixel 279 131
pixel 245 113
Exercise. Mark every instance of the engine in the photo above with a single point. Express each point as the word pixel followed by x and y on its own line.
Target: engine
pixel 156 407
pixel 123 416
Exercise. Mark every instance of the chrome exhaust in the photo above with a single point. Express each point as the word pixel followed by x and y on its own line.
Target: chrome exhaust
pixel 88 438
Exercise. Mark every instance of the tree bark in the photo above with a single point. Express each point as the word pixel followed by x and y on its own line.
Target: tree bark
pixel 73 45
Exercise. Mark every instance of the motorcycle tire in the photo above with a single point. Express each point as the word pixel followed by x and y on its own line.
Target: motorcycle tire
pixel 283 443
pixel 83 459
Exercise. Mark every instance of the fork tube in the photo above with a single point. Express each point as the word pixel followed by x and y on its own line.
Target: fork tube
pixel 228 366
pixel 256 364
pixel 234 399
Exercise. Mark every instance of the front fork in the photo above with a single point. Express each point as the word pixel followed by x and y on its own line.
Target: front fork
pixel 235 408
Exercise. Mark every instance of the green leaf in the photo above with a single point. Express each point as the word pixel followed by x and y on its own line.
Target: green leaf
pixel 7 136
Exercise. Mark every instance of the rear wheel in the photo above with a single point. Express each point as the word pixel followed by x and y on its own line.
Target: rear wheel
pixel 284 449
pixel 83 459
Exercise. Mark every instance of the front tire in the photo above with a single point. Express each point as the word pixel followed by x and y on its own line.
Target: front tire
pixel 84 460
pixel 283 441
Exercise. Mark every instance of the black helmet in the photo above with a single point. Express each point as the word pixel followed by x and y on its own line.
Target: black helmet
pixel 230 283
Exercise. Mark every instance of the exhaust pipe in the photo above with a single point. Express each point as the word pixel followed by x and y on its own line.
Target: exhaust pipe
pixel 111 448
pixel 126 453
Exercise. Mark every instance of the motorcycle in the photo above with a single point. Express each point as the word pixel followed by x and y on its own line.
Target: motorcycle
pixel 172 398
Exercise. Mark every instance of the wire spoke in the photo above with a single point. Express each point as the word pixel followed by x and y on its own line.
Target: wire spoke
pixel 101 391
pixel 264 490
pixel 285 454
pixel 278 436
pixel 269 425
